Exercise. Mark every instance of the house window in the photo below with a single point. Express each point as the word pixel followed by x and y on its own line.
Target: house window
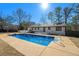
pixel 58 28
pixel 43 29
pixel 38 28
pixel 35 28
pixel 49 28
pixel 32 28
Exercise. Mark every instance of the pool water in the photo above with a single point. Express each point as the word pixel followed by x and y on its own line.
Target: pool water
pixel 38 39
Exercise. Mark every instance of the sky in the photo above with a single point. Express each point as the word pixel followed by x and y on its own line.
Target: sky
pixel 35 9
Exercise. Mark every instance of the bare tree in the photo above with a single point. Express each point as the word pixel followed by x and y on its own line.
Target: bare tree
pixel 50 16
pixel 74 20
pixel 10 19
pixel 19 15
pixel 77 14
pixel 2 21
pixel 67 11
pixel 43 19
pixel 58 15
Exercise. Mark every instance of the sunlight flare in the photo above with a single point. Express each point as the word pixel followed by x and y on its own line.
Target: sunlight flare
pixel 44 5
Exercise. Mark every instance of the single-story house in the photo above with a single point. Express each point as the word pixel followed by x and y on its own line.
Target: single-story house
pixel 11 28
pixel 51 29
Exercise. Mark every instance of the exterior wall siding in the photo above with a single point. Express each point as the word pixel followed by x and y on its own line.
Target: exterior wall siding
pixel 52 30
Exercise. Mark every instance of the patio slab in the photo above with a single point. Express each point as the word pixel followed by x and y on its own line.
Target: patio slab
pixel 55 52
pixel 65 45
pixel 7 50
pixel 64 48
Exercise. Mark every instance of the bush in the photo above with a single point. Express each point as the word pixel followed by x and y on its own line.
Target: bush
pixel 72 33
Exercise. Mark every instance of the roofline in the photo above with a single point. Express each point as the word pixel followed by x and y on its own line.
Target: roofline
pixel 48 25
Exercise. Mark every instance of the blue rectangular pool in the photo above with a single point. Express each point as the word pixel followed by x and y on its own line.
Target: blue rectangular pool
pixel 38 39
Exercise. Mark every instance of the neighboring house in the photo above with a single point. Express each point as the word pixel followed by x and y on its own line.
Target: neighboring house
pixel 49 29
pixel 11 28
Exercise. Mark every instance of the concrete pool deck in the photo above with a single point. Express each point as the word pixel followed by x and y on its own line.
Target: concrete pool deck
pixel 64 48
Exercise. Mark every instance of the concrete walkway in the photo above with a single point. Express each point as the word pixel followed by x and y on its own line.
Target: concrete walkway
pixel 64 48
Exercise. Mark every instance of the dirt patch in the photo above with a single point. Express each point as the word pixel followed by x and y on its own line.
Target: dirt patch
pixel 75 41
pixel 7 50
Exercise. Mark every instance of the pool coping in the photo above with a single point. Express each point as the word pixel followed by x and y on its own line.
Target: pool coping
pixel 38 48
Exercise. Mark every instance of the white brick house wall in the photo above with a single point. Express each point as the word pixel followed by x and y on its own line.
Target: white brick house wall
pixel 52 29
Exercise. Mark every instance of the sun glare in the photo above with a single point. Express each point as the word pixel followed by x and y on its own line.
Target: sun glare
pixel 44 5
